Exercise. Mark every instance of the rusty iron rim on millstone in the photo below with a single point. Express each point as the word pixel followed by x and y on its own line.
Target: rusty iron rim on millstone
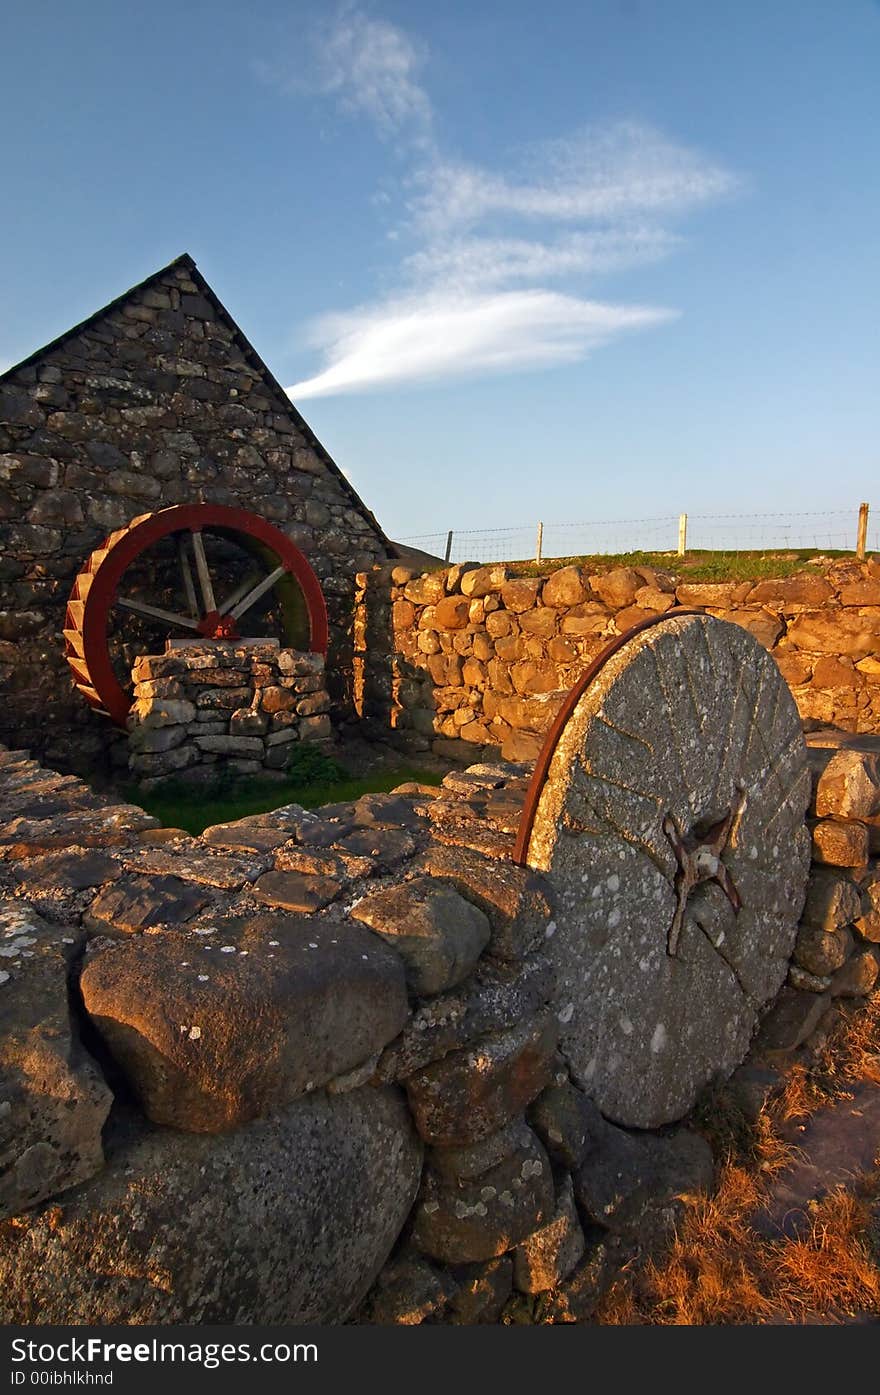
pixel 560 721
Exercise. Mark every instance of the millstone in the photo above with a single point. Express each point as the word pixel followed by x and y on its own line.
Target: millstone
pixel 671 826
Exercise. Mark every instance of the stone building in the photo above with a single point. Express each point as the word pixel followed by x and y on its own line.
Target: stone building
pixel 156 399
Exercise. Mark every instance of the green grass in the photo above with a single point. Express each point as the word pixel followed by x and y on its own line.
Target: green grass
pixel 180 806
pixel 694 566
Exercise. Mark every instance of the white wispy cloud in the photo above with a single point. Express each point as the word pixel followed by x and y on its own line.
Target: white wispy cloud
pixel 608 172
pixel 490 261
pixel 368 65
pixel 440 335
pixel 478 245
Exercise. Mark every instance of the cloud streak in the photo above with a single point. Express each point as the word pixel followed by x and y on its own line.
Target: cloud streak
pixel 604 173
pixel 444 336
pixel 479 245
pixel 370 67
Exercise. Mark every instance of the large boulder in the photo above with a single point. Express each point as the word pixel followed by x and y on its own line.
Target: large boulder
pixel 287 1221
pixel 53 1098
pixel 213 1029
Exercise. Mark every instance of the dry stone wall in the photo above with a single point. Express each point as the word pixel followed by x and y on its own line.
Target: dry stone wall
pixel 474 654
pixel 230 707
pixel 339 1024
pixel 157 400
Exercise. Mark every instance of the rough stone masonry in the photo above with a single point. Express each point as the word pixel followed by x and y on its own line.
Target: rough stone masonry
pixel 231 706
pixel 158 399
pixel 307 1066
pixel 472 656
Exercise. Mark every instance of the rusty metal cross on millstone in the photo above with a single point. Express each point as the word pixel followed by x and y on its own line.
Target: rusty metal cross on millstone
pixel 699 860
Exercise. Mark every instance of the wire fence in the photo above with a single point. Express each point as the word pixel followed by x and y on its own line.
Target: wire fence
pixel 820 530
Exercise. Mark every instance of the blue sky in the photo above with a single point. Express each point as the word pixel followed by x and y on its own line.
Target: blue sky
pixel 573 261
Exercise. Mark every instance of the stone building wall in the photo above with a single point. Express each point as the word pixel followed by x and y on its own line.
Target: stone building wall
pixel 158 399
pixel 225 707
pixel 476 655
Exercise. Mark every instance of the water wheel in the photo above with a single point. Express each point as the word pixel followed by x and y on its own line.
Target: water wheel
pixel 208 594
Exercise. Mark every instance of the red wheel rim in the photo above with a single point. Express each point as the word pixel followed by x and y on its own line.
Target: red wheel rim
pixel 93 669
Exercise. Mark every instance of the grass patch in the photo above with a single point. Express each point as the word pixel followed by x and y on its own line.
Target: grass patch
pixel 195 808
pixel 718 1269
pixel 694 566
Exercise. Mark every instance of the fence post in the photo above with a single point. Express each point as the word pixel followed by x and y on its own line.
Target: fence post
pixel 540 542
pixel 682 534
pixel 862 537
pixel 448 552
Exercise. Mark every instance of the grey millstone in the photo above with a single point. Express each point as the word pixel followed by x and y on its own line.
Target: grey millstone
pixel 438 934
pixel 287 1221
pixel 53 1098
pixel 687 720
pixel 213 1030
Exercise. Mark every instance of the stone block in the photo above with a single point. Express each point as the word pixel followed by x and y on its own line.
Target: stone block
pixel 564 588
pixel 833 900
pixel 821 951
pixel 296 891
pixel 315 728
pixel 849 786
pixel 838 843
pixel 857 977
pixel 481 1219
pixel 473 1093
pixel 514 898
pixel 234 1220
pixel 618 587
pixel 244 721
pixel 546 1257
pixel 53 1098
pixel 163 712
pixel 232 745
pixel 438 934
pixel 212 1035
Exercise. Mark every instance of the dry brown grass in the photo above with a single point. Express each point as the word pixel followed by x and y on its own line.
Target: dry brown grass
pixel 719 1270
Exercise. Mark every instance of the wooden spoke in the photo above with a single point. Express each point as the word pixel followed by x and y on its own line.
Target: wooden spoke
pixel 204 575
pixel 253 596
pixel 188 583
pixel 155 613
pixel 239 591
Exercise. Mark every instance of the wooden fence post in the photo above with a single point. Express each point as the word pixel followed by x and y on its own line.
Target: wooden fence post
pixel 682 534
pixel 540 542
pixel 448 552
pixel 862 536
